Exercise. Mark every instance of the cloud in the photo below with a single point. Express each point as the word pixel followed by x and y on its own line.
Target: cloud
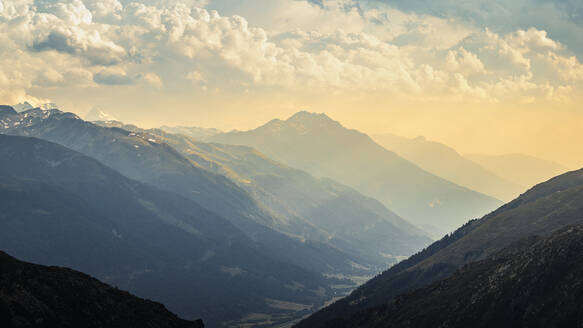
pixel 113 77
pixel 562 17
pixel 153 80
pixel 463 61
pixel 366 50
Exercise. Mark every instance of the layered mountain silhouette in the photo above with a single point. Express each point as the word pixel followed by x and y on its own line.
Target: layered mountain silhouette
pixel 447 163
pixel 542 210
pixel 33 295
pixel 63 208
pixel 304 207
pixel 317 144
pixel 155 162
pixel 518 168
pixel 534 283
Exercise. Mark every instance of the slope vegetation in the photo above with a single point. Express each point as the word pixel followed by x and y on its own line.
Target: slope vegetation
pixel 534 283
pixel 542 210
pixel 33 295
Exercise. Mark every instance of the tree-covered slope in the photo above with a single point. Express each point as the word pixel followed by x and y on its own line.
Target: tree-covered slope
pixel 542 210
pixel 33 295
pixel 536 282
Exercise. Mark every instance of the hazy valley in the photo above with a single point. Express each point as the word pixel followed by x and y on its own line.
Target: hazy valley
pixel 291 163
pixel 191 217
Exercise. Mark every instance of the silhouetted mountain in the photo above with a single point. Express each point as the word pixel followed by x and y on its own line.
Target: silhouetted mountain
pixel 320 210
pixel 33 295
pixel 60 207
pixel 542 210
pixel 324 148
pixel 521 169
pixel 445 162
pixel 535 283
pixel 156 163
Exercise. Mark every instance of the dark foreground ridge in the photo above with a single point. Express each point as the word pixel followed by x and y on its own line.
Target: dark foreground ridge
pixel 535 283
pixel 541 211
pixel 34 295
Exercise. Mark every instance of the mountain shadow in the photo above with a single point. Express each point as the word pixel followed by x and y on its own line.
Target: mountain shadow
pixel 33 295
pixel 542 210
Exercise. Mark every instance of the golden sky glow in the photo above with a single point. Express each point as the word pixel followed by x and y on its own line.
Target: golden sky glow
pixel 470 76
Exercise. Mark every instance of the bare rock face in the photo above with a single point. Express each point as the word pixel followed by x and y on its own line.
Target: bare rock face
pixel 40 296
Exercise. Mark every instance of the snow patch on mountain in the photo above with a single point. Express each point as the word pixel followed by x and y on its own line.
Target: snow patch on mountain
pixel 97 114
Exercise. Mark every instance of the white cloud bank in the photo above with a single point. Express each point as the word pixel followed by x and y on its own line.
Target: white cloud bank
pixel 91 44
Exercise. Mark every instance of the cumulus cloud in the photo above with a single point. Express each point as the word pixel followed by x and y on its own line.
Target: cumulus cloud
pixel 463 61
pixel 113 77
pixel 379 49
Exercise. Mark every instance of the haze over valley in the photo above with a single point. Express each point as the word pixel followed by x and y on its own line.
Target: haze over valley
pixel 291 163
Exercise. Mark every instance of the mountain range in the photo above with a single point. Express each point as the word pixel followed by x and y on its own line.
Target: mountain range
pixel 284 219
pixel 63 208
pixel 157 163
pixel 542 210
pixel 447 163
pixel 324 148
pixel 260 228
pixel 518 168
pixel 319 210
pixel 33 295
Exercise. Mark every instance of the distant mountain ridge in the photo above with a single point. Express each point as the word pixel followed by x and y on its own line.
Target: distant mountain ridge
pixel 305 207
pixel 33 295
pixel 542 210
pixel 522 169
pixel 63 208
pixel 154 162
pixel 323 147
pixel 447 163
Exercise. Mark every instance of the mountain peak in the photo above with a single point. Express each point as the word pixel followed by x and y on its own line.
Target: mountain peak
pixel 305 116
pixel 49 106
pixel 97 114
pixel 21 107
pixel 302 123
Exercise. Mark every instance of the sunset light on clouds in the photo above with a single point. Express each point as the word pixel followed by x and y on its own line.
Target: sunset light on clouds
pixel 486 76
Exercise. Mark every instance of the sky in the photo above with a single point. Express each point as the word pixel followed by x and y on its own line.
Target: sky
pixel 482 76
